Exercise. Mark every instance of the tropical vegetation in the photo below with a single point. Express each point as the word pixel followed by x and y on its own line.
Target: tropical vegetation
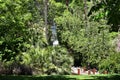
pixel 87 32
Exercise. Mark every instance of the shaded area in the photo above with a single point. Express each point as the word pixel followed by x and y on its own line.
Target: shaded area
pixel 35 78
pixel 15 69
pixel 107 77
pixel 61 77
pixel 55 77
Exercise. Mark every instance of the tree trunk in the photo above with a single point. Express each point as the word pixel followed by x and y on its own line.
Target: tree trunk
pixel 86 20
pixel 45 18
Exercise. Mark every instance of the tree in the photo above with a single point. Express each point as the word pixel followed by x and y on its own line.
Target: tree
pixel 110 11
pixel 13 20
pixel 24 35
pixel 93 48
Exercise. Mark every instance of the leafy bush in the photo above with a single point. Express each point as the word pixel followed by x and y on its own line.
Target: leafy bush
pixel 50 60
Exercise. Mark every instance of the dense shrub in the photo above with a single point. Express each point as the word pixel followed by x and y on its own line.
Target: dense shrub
pixel 50 60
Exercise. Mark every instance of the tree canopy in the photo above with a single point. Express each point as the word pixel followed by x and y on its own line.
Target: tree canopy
pixel 87 31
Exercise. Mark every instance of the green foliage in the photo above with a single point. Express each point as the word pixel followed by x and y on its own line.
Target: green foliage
pixel 110 10
pixel 48 60
pixel 93 43
pixel 111 63
pixel 13 20
pixel 23 40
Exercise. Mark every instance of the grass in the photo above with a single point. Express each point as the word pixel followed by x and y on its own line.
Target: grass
pixel 61 77
pixel 80 77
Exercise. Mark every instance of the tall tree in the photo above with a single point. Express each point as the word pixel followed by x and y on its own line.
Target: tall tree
pixel 46 18
pixel 13 20
pixel 111 12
